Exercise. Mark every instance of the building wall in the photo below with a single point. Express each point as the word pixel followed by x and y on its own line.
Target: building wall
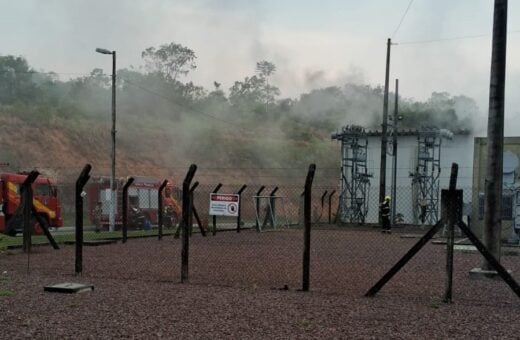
pixel 511 182
pixel 458 150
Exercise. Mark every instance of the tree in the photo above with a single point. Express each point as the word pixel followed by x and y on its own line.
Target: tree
pixel 169 60
pixel 247 94
pixel 16 80
pixel 441 110
pixel 265 69
pixel 217 94
pixel 192 92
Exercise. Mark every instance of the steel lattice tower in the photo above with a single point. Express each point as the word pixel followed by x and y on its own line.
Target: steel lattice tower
pixel 355 179
pixel 425 179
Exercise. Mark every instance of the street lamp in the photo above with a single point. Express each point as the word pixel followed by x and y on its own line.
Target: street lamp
pixel 112 212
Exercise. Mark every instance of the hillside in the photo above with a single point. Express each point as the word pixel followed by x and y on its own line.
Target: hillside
pixel 247 134
pixel 61 147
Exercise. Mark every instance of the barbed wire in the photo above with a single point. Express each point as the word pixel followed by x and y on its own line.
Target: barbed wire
pixel 203 167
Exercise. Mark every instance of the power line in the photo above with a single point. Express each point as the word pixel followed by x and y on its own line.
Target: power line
pixel 463 37
pixel 443 39
pixel 42 72
pixel 402 19
pixel 226 122
pixel 104 165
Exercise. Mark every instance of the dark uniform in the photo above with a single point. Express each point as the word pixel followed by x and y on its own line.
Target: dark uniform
pixel 385 214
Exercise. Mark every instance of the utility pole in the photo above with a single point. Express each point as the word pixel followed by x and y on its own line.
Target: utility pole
pixel 394 153
pixel 495 137
pixel 382 171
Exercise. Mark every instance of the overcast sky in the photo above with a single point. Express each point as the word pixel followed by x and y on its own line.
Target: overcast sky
pixel 313 43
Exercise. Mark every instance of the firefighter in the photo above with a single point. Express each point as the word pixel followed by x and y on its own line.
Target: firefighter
pixel 423 205
pixel 385 215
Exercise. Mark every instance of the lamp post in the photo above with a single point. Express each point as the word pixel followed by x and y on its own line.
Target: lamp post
pixel 112 212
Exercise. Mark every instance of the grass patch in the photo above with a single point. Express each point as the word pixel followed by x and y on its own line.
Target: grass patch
pixel 69 219
pixel 17 241
pixel 435 302
pixel 5 292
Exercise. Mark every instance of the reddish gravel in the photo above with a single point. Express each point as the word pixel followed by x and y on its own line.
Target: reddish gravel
pixel 234 290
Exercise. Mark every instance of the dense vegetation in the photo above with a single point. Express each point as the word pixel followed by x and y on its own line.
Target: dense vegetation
pixel 166 120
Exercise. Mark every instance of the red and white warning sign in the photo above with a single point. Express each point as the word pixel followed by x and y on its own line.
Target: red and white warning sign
pixel 223 204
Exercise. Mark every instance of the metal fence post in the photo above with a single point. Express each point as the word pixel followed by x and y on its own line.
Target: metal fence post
pixel 269 215
pixel 272 206
pixel 330 205
pixel 307 230
pixel 80 183
pixel 26 202
pixel 194 212
pixel 301 208
pixel 125 208
pixel 160 209
pixel 190 218
pixel 239 217
pixel 186 212
pixel 322 204
pixel 450 223
pixel 257 206
pixel 217 188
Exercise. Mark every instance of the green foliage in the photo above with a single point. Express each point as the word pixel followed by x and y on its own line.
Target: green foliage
pixel 265 68
pixel 306 324
pixel 255 94
pixel 169 60
pixel 17 241
pixel 249 91
pixel 186 121
pixel 5 293
pixel 435 302
pixel 441 110
pixel 16 80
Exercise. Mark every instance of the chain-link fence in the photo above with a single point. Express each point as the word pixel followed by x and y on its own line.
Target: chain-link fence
pixel 263 246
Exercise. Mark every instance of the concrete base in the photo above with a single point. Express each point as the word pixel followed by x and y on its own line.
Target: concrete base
pixel 483 274
pixel 463 248
pixel 69 288
pixel 99 242
pixel 457 241
pixel 411 236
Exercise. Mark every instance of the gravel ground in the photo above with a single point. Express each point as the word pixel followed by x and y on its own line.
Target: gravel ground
pixel 236 290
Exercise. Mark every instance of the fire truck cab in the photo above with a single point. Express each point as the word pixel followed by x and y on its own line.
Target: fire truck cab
pixel 45 201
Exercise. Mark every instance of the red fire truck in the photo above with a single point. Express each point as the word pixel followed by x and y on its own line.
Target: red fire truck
pixel 143 199
pixel 45 201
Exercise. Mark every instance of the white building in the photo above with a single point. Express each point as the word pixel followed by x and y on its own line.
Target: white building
pixel 457 150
